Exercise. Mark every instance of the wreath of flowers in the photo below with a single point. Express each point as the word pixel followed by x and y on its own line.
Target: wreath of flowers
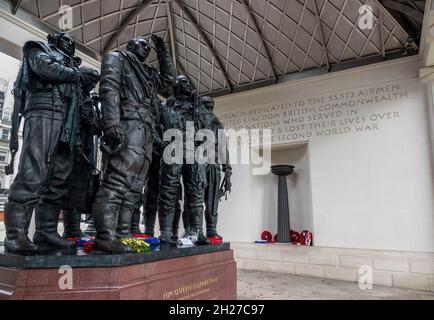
pixel 86 243
pixel 153 242
pixel 267 236
pixel 215 240
pixel 142 236
pixel 303 238
pixel 138 245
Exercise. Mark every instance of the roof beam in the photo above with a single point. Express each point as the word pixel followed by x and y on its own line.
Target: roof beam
pixel 178 66
pixel 126 23
pixel 195 24
pixel 261 38
pixel 381 26
pixel 15 6
pixel 404 9
pixel 399 21
pixel 172 35
pixel 323 41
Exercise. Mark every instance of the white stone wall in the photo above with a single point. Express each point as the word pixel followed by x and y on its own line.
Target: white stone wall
pixel 371 189
pixel 387 268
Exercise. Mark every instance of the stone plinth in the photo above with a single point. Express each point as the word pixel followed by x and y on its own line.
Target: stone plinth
pixel 205 272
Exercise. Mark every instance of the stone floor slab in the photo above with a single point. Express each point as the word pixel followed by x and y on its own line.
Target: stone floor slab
pixel 258 285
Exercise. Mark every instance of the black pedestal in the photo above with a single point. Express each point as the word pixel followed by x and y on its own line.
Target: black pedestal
pixel 283 223
pixel 78 258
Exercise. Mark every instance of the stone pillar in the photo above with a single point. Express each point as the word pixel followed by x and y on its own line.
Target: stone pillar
pixel 426 72
pixel 426 76
pixel 283 223
pixel 430 107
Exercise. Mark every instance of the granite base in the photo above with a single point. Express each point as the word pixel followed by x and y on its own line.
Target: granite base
pixel 200 272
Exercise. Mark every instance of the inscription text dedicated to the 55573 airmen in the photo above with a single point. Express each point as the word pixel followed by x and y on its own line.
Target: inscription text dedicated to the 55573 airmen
pixel 347 112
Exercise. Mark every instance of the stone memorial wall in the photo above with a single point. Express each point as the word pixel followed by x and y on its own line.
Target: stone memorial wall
pixel 368 158
pixel 348 112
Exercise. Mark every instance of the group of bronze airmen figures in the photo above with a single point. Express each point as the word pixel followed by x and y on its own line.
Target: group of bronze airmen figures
pixel 65 119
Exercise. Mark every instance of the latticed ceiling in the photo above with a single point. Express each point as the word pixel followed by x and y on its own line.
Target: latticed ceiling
pixel 226 45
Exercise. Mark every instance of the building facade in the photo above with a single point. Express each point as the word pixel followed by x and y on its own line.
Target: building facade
pixel 6 108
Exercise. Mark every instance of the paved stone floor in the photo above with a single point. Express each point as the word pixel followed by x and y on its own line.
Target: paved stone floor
pixel 257 285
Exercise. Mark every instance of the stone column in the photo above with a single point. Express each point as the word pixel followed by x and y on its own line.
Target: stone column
pixel 283 223
pixel 426 76
pixel 426 72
